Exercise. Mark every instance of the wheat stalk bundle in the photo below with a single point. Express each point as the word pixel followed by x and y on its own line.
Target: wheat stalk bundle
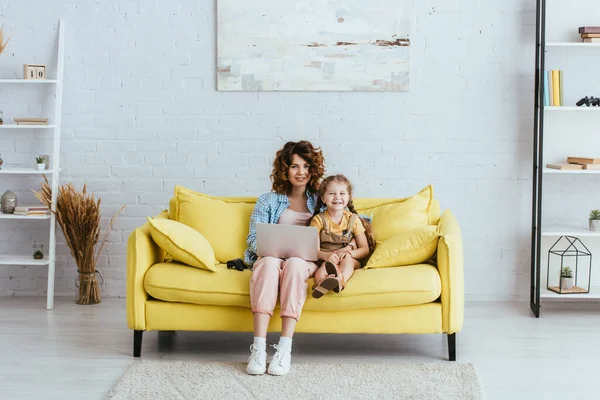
pixel 78 215
pixel 2 42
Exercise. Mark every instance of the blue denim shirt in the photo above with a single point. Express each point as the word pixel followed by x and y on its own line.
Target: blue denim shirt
pixel 267 210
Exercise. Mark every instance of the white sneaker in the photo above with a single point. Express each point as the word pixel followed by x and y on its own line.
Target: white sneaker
pixel 280 363
pixel 257 363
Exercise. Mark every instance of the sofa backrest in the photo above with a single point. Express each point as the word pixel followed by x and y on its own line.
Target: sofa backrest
pixel 224 221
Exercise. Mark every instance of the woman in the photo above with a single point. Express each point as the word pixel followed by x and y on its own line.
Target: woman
pixel 297 171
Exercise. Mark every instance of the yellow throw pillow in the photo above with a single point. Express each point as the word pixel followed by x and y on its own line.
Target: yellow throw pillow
pixel 183 243
pixel 408 248
pixel 224 222
pixel 391 219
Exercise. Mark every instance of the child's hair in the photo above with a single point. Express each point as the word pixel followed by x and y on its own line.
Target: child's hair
pixel 342 179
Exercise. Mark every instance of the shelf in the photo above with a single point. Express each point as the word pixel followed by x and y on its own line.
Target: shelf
pixel 571 44
pixel 560 230
pixel 24 217
pixel 571 171
pixel 28 171
pixel 571 108
pixel 21 260
pixel 548 294
pixel 29 81
pixel 15 126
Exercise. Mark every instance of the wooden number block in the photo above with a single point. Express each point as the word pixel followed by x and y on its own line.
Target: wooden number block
pixel 40 72
pixel 34 71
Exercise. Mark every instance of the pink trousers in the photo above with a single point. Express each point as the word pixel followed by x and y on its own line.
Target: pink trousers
pixel 271 276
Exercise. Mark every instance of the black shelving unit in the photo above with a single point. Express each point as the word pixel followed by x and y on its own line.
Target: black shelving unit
pixel 538 139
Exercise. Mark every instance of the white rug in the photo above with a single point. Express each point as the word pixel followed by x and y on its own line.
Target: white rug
pixel 197 380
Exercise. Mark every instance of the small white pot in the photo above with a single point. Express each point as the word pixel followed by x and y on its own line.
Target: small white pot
pixel 594 224
pixel 41 167
pixel 567 283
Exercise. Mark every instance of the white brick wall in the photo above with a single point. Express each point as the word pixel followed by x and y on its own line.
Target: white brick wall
pixel 141 114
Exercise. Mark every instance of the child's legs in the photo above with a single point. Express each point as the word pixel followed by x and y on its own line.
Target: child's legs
pixel 321 273
pixel 347 266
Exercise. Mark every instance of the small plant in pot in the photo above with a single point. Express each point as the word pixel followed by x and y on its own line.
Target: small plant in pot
pixel 41 162
pixel 566 278
pixel 595 220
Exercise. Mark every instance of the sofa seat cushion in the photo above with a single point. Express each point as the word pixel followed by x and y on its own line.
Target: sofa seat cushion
pixel 375 288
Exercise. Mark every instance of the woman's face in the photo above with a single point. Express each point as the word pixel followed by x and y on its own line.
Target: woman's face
pixel 299 171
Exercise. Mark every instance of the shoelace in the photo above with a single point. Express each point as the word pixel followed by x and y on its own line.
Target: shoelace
pixel 278 357
pixel 254 355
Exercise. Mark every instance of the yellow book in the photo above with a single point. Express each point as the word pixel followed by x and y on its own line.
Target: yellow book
pixel 556 87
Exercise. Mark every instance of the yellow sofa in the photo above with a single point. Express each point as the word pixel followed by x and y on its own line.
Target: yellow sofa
pixel 423 298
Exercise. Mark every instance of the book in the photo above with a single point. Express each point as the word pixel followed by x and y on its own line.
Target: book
pixel 590 35
pixel 546 91
pixel 583 160
pixel 591 40
pixel 31 123
pixel 32 208
pixel 591 166
pixel 560 88
pixel 30 119
pixel 589 29
pixel 565 166
pixel 555 87
pixel 550 88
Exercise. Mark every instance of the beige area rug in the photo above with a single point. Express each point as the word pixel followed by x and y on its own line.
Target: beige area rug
pixel 217 380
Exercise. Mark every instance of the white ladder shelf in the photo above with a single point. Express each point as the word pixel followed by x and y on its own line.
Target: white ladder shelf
pixel 54 172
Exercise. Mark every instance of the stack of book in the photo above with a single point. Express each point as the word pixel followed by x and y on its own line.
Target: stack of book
pixel 31 121
pixel 590 34
pixel 553 88
pixel 31 210
pixel 576 163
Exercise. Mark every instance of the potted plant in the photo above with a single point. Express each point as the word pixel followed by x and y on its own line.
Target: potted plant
pixel 595 220
pixel 41 163
pixel 566 278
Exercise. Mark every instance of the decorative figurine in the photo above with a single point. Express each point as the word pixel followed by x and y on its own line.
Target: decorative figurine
pixel 9 202
pixel 589 101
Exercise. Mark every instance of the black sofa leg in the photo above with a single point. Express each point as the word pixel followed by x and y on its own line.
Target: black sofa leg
pixel 452 347
pixel 137 343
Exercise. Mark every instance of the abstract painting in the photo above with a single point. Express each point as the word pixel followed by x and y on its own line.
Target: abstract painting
pixel 313 45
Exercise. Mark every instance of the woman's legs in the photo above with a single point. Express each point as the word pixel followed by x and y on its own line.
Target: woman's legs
pixel 264 286
pixel 292 295
pixel 293 288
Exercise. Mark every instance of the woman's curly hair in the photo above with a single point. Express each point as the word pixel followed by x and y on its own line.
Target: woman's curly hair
pixel 283 159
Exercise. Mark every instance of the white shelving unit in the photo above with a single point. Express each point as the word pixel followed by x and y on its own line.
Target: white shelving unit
pixel 559 132
pixel 53 173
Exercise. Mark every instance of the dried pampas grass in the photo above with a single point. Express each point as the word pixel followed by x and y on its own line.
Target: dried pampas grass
pixel 78 214
pixel 2 42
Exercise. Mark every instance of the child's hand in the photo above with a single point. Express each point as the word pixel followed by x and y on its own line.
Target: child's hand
pixel 345 255
pixel 333 258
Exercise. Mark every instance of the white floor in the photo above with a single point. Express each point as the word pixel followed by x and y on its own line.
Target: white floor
pixel 77 352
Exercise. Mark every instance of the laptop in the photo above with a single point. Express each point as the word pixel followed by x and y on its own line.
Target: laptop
pixel 286 241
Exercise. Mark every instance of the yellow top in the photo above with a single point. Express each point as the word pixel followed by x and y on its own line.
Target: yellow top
pixel 336 229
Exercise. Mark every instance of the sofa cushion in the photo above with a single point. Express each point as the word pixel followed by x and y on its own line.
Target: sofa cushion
pixel 182 243
pixel 224 222
pixel 374 288
pixel 412 247
pixel 400 215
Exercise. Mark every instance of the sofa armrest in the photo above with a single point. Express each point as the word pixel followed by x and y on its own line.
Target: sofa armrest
pixel 142 253
pixel 450 266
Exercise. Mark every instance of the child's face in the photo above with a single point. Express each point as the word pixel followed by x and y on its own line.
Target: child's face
pixel 336 196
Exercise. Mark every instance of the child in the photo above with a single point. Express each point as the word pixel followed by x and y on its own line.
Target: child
pixel 344 238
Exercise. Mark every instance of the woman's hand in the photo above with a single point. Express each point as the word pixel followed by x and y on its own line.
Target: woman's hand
pixel 345 255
